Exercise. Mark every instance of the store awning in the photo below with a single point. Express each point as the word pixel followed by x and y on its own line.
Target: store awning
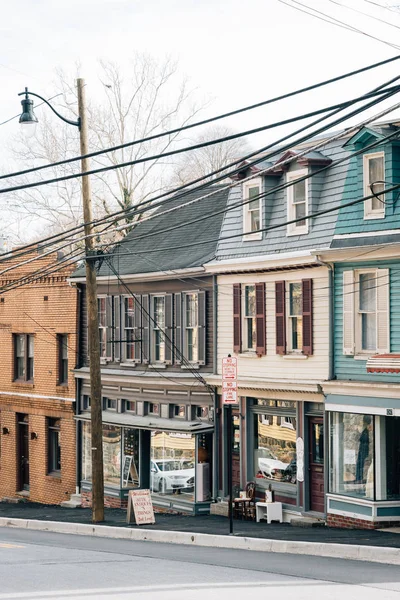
pixel 150 422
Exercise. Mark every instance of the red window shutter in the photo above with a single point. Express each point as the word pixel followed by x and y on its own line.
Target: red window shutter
pixel 307 306
pixel 280 317
pixel 260 318
pixel 237 317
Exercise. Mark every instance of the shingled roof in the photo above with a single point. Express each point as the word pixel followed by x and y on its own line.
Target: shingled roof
pixel 136 254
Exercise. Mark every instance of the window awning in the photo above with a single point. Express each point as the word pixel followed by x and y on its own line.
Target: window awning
pixel 150 422
pixel 384 363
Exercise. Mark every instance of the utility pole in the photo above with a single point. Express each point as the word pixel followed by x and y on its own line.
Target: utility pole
pixel 93 322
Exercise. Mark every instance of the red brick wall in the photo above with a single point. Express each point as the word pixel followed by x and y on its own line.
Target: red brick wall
pixel 25 310
pixel 352 523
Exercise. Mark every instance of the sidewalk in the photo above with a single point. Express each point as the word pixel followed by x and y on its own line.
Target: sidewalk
pixel 212 524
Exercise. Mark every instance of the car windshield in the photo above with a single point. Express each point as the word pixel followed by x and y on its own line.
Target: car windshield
pixel 170 465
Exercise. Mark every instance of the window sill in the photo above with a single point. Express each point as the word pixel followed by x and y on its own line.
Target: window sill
pixel 128 364
pixel 363 356
pixel 194 365
pixel 62 386
pixel 294 356
pixel 297 232
pixel 54 475
pixel 249 354
pixel 252 237
pixel 157 365
pixel 21 382
pixel 373 217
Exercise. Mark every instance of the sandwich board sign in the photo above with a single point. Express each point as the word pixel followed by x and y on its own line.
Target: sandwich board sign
pixel 140 502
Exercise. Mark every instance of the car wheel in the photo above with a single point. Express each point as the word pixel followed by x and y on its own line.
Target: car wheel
pixel 162 486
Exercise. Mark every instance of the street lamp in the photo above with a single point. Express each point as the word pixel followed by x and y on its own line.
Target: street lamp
pixel 28 118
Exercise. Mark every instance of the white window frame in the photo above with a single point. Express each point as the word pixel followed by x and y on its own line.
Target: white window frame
pixel 155 328
pixel 369 212
pixel 358 318
pixel 103 328
pixel 290 318
pixel 245 318
pixel 187 327
pixel 124 329
pixel 249 235
pixel 293 228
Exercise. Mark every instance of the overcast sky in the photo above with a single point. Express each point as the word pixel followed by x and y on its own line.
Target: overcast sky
pixel 234 52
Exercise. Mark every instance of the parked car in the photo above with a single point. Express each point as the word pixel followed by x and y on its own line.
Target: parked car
pixel 168 475
pixel 269 466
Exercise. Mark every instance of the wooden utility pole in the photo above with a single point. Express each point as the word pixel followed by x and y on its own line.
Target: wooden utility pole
pixel 93 323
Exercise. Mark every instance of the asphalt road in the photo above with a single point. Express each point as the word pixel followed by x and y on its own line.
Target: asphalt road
pixel 49 565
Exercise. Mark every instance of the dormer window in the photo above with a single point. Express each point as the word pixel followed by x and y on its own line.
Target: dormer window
pixel 297 202
pixel 252 210
pixel 374 174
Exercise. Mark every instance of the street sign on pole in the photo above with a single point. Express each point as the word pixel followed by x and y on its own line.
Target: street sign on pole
pixel 229 392
pixel 229 397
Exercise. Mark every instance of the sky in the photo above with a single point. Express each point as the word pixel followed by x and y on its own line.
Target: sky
pixel 234 53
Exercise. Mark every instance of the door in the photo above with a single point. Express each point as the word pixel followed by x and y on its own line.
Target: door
pixel 316 464
pixel 23 452
pixel 236 450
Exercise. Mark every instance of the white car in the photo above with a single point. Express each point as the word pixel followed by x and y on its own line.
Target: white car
pixel 167 475
pixel 271 467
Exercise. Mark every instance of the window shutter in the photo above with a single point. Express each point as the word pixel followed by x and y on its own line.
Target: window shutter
pixel 280 317
pixel 178 329
pixel 137 329
pixel 260 319
pixel 307 311
pixel 117 329
pixel 169 338
pixel 382 312
pixel 109 330
pixel 145 329
pixel 237 317
pixel 348 312
pixel 201 306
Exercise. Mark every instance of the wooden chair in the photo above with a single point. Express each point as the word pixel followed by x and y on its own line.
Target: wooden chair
pixel 245 508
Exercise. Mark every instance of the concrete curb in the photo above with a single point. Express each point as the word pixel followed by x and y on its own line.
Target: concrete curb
pixel 377 554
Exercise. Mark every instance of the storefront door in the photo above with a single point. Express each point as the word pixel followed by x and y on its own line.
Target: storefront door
pixel 236 450
pixel 23 453
pixel 316 464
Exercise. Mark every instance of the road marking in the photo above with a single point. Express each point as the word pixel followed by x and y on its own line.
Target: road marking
pixel 4 545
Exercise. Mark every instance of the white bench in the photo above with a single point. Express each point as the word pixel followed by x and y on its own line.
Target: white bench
pixel 271 510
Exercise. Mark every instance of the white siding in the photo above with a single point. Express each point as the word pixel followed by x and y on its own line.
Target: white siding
pixel 272 366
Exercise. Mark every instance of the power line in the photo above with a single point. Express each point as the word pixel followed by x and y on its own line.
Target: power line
pixel 361 12
pixel 381 6
pixel 205 121
pixel 138 208
pixel 169 153
pixel 334 21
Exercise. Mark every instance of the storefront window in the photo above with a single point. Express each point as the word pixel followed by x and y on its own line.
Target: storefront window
pixel 130 464
pixel 111 454
pixel 275 448
pixel 352 455
pixel 172 465
pixel 392 457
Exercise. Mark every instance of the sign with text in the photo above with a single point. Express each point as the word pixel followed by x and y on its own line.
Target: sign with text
pixel 229 368
pixel 229 392
pixel 140 502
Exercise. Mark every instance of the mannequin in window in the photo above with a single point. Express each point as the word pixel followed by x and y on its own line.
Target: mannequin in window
pixel 363 450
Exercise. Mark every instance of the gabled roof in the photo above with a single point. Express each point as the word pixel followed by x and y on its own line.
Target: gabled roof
pixel 136 254
pixel 310 158
pixel 363 137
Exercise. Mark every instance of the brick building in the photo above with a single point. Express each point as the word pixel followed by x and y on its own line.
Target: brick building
pixel 38 340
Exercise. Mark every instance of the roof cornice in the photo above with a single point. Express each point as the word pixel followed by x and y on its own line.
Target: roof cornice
pixel 265 261
pixel 133 278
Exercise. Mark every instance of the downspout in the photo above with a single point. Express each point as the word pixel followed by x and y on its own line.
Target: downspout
pixel 215 325
pixel 331 315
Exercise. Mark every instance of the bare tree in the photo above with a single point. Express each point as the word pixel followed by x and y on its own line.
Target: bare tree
pixel 201 162
pixel 149 99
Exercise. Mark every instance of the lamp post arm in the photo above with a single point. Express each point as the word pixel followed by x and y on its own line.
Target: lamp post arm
pixel 76 123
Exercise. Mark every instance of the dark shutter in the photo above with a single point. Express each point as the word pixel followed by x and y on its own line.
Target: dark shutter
pixel 237 317
pixel 117 329
pixel 109 330
pixel 260 318
pixel 145 329
pixel 169 338
pixel 178 329
pixel 137 329
pixel 307 309
pixel 201 305
pixel 280 317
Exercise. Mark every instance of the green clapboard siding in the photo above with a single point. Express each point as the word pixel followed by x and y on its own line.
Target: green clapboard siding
pixel 346 367
pixel 351 219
